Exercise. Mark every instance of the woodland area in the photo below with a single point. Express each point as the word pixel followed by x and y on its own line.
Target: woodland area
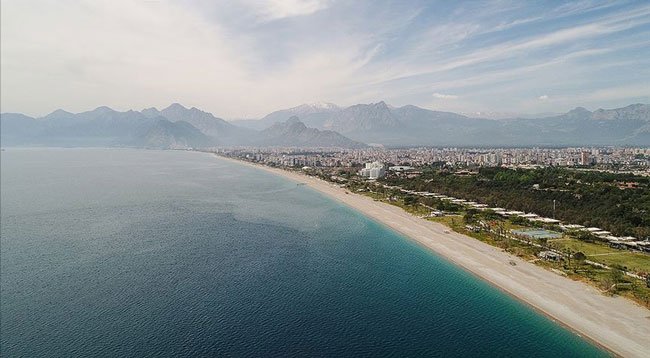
pixel 587 198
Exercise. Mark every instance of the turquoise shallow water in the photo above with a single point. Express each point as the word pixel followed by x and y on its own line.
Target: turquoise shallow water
pixel 116 252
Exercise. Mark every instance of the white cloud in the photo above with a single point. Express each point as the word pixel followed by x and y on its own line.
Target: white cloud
pixel 236 59
pixel 131 55
pixel 543 97
pixel 279 9
pixel 444 96
pixel 507 25
pixel 607 25
pixel 518 73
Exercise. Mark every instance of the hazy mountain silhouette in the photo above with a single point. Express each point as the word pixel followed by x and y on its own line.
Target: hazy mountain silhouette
pixel 411 125
pixel 325 125
pixel 293 132
pixel 99 127
pixel 223 131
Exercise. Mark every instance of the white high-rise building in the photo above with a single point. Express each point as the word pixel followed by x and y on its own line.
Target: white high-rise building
pixel 373 170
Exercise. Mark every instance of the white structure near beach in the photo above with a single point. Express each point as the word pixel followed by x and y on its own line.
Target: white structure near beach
pixel 373 170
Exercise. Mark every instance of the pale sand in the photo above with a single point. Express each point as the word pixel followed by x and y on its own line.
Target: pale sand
pixel 615 323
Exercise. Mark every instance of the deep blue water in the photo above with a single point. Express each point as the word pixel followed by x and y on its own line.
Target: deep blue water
pixel 115 252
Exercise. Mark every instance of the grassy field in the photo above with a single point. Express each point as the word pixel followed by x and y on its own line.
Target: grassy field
pixel 632 261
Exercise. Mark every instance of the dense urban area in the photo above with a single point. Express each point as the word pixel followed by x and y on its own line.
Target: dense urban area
pixel 581 212
pixel 630 160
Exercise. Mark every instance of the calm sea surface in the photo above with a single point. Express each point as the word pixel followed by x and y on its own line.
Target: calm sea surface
pixel 116 252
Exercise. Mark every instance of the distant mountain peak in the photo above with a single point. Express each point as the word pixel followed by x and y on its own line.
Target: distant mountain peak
pixel 175 106
pixel 205 122
pixel 322 105
pixel 292 124
pixel 314 108
pixel 179 109
pixel 293 132
pixel 103 109
pixel 579 110
pixel 363 117
pixel 312 114
pixel 151 112
pixel 381 105
pixel 200 112
pixel 59 113
pixel 637 111
pixel 411 106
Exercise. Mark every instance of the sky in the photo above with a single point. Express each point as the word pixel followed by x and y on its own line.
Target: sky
pixel 247 58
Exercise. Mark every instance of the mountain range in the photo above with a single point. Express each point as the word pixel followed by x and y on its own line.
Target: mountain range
pixel 410 125
pixel 100 127
pixel 325 125
pixel 173 127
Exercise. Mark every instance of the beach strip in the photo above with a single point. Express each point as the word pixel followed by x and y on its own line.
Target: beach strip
pixel 615 323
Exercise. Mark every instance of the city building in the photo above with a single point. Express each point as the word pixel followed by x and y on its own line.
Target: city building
pixel 374 170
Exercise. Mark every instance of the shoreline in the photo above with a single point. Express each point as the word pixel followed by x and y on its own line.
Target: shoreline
pixel 613 323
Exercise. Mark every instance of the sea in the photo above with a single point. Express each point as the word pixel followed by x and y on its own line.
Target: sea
pixel 147 253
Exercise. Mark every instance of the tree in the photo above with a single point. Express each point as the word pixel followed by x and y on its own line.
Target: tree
pixel 583 236
pixel 580 256
pixel 491 215
pixel 470 215
pixel 410 200
pixel 518 220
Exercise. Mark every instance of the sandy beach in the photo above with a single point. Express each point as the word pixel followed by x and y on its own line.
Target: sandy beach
pixel 615 323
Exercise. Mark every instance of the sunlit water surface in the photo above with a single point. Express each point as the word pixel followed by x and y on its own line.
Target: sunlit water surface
pixel 119 252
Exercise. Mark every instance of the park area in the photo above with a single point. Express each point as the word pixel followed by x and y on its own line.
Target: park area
pixel 631 261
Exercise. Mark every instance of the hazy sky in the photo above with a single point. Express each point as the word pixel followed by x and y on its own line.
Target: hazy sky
pixel 249 57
